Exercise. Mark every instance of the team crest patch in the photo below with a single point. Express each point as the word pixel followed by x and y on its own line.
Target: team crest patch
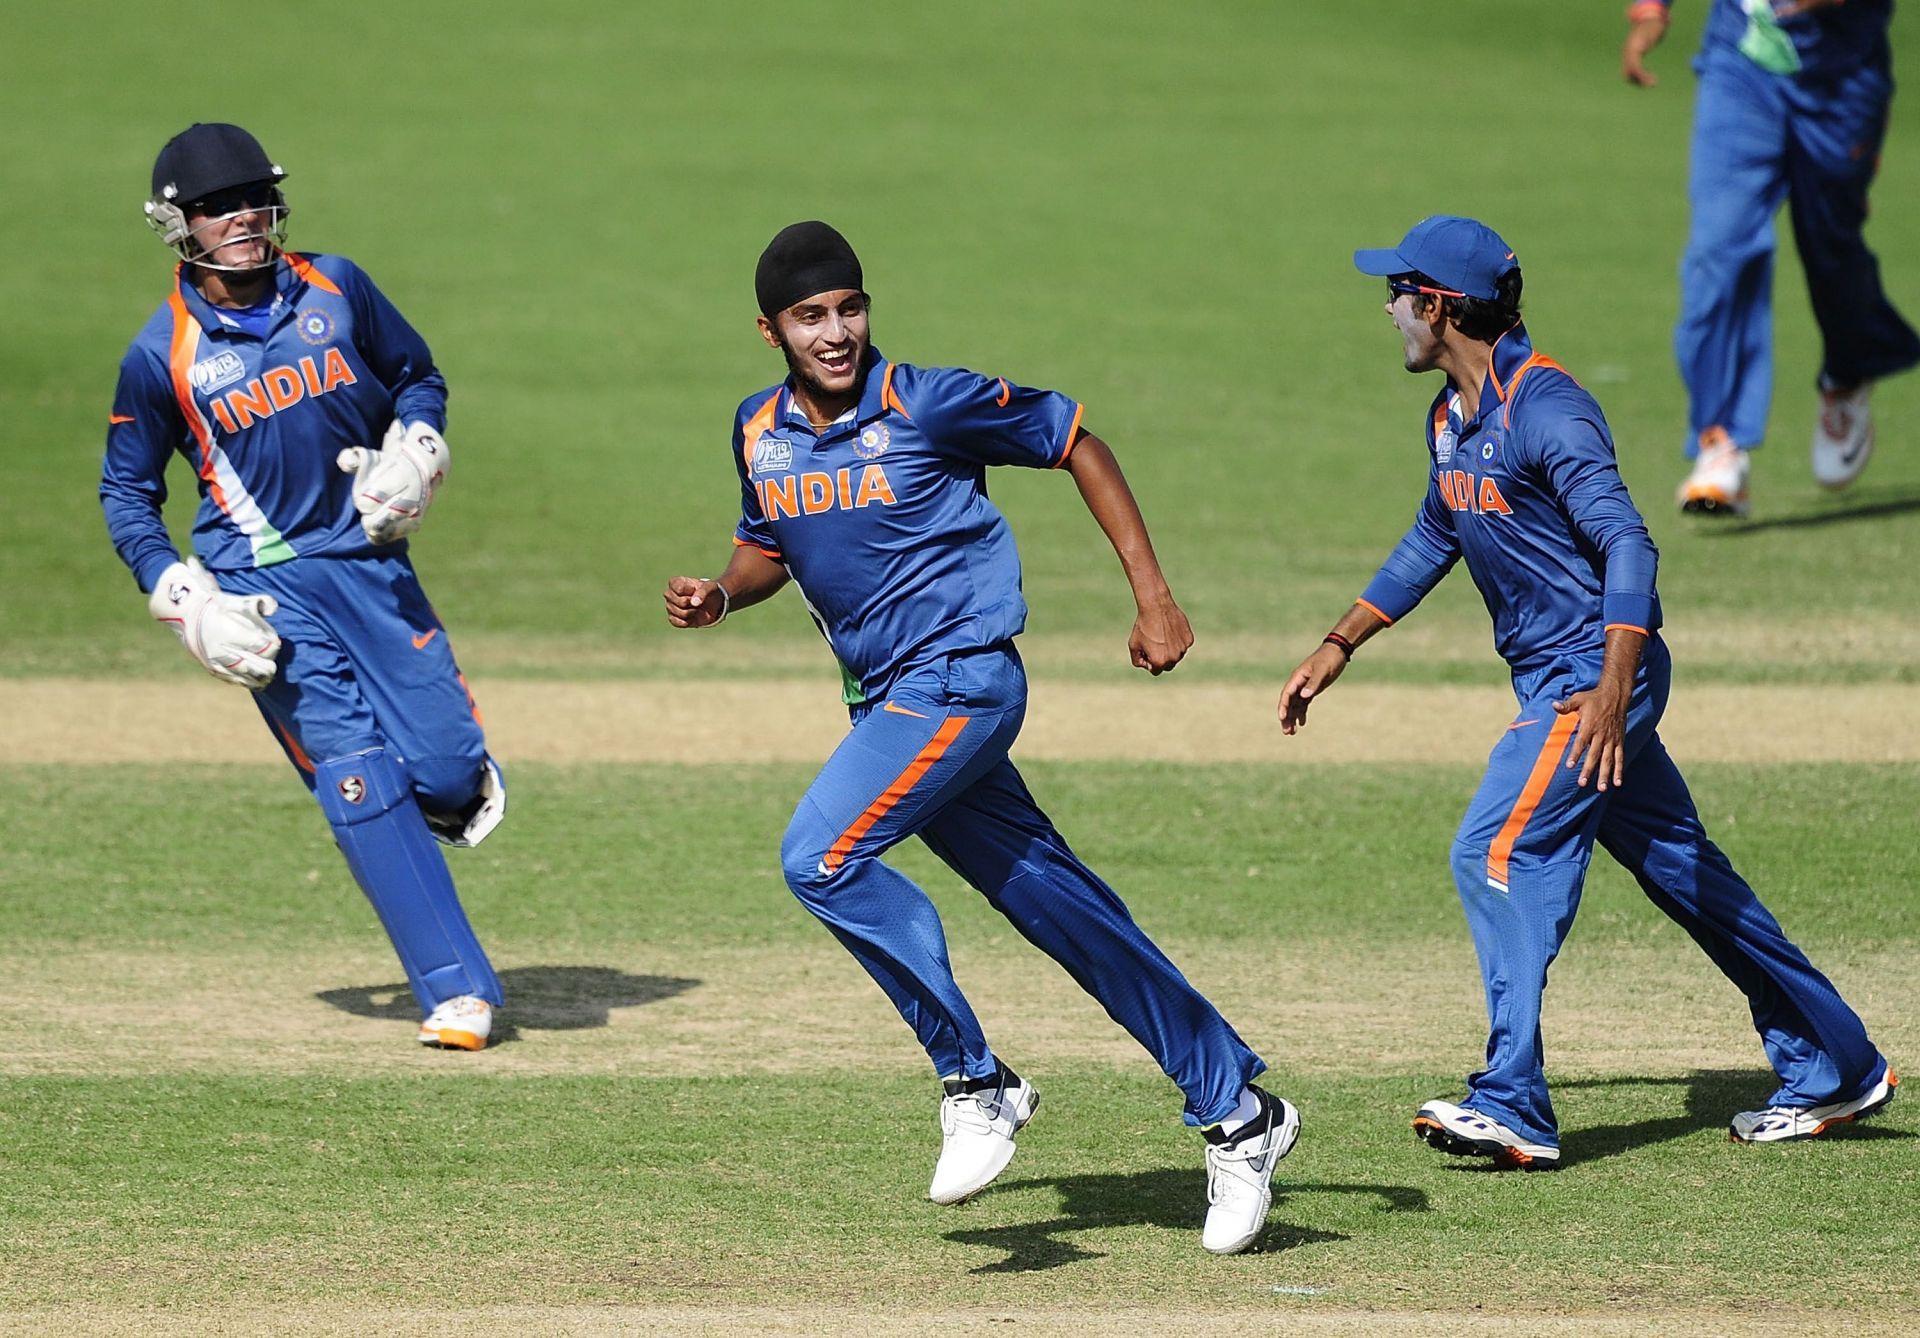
pixel 1486 451
pixel 872 442
pixel 222 369
pixel 1443 446
pixel 772 455
pixel 315 326
pixel 353 789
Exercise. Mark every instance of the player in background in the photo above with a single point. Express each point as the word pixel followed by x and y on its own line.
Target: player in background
pixel 863 481
pixel 1792 105
pixel 270 372
pixel 1523 485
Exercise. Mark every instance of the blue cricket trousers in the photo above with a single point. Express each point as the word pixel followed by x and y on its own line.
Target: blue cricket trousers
pixel 1520 860
pixel 1759 138
pixel 371 709
pixel 931 761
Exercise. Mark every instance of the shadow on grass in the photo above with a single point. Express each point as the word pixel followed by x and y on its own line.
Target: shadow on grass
pixel 1893 506
pixel 1173 1199
pixel 539 998
pixel 1713 1096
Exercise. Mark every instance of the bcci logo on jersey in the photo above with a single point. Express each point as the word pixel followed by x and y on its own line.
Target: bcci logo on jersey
pixel 772 455
pixel 222 369
pixel 872 442
pixel 314 325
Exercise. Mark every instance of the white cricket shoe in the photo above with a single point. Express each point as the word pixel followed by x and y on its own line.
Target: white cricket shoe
pixel 978 1119
pixel 1468 1133
pixel 1240 1173
pixel 461 1023
pixel 1842 436
pixel 1780 1124
pixel 1718 484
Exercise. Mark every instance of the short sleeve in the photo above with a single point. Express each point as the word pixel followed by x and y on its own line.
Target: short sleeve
pixel 989 420
pixel 753 531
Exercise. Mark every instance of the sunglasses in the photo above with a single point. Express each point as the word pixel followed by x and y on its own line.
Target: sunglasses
pixel 260 195
pixel 1395 287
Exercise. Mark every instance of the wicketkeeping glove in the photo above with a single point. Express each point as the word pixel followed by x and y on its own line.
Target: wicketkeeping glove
pixel 228 634
pixel 393 486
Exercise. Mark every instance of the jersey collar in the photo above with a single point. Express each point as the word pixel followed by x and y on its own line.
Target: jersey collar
pixel 288 281
pixel 1511 351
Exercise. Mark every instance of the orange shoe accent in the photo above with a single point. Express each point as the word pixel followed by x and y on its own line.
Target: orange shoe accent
pixel 459 1040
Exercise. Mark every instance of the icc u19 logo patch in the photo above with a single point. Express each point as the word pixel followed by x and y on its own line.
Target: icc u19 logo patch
pixel 772 455
pixel 353 789
pixel 1443 446
pixel 872 442
pixel 314 325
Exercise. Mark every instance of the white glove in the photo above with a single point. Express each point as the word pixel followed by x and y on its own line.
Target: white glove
pixel 228 634
pixel 393 486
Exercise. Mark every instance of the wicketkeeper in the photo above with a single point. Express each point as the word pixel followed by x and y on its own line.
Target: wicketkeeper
pixel 274 374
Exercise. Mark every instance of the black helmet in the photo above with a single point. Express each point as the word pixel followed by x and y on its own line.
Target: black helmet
pixel 202 161
pixel 209 157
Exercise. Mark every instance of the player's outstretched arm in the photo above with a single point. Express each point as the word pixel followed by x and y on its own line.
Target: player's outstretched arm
pixel 1649 24
pixel 1161 636
pixel 1328 661
pixel 699 601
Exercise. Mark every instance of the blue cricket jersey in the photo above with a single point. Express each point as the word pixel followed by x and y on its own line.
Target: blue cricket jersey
pixel 1528 491
pixel 882 518
pixel 1830 42
pixel 260 413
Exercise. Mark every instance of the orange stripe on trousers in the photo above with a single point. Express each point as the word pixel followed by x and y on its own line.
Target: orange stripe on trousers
pixel 1537 781
pixel 936 748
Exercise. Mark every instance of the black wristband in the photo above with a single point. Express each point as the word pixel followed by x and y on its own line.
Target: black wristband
pixel 1335 639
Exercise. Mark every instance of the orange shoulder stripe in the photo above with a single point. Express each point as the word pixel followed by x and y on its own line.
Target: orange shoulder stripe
pixel 305 269
pixel 888 399
pixel 762 421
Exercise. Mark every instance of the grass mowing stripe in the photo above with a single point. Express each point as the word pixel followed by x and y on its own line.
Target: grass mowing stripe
pixel 226 1190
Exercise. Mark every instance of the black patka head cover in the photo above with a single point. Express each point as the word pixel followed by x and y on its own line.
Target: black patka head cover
pixel 804 259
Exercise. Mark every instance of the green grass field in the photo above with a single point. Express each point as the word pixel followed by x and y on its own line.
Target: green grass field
pixel 702 1116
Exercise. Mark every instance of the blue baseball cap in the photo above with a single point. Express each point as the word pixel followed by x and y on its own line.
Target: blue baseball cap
pixel 1463 255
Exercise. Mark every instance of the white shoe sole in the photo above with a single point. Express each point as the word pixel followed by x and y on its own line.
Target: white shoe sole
pixel 1844 1112
pixel 1431 1128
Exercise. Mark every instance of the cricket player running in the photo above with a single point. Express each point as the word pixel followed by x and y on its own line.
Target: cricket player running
pixel 272 372
pixel 1524 486
pixel 1792 105
pixel 864 481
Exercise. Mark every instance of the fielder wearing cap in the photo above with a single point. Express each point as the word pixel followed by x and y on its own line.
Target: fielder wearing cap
pixel 863 481
pixel 310 414
pixel 1522 486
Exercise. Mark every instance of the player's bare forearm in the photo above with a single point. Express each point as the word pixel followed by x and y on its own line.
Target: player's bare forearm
pixel 1599 742
pixel 751 576
pixel 1161 635
pixel 1327 662
pixel 1649 26
pixel 1104 489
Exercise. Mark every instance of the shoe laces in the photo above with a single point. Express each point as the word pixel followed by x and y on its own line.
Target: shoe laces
pixel 973 1110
